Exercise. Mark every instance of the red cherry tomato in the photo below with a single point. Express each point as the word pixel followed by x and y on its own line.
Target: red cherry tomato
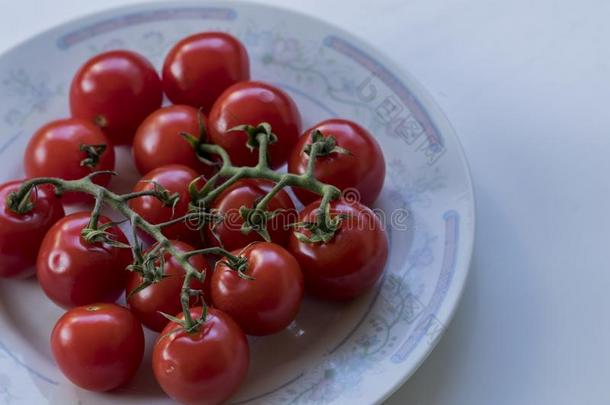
pixel 22 234
pixel 69 149
pixel 99 347
pixel 200 67
pixel 176 179
pixel 73 272
pixel 158 141
pixel 164 296
pixel 268 303
pixel 116 90
pixel 253 103
pixel 247 193
pixel 362 171
pixel 205 367
pixel 351 262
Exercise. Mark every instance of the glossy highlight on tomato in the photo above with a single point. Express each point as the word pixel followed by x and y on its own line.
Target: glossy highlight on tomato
pixel 116 90
pixel 200 67
pixel 205 367
pixel 73 272
pixel 22 234
pixel 98 347
pixel 164 296
pixel 361 172
pixel 158 141
pixel 253 103
pixel 69 149
pixel 270 300
pixel 349 264
pixel 176 179
pixel 247 193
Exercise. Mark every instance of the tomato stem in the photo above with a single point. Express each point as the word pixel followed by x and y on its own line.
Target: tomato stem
pixel 212 251
pixel 185 299
pixel 263 153
pixel 143 193
pixel 315 149
pixel 97 209
pixel 136 248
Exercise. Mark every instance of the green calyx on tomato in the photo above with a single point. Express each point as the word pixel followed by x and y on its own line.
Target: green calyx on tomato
pixel 100 121
pixel 150 265
pixel 322 230
pixel 326 145
pixel 253 131
pixel 256 219
pixel 98 234
pixel 197 141
pixel 20 204
pixel 167 198
pixel 94 153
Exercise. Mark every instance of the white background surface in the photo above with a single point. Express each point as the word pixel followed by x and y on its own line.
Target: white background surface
pixel 526 87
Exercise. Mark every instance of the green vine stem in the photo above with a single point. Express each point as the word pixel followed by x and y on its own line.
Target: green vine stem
pixel 263 137
pixel 150 264
pixel 118 203
pixel 262 171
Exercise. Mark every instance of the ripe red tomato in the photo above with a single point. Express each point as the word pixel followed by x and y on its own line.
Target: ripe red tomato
pixel 253 103
pixel 351 262
pixel 205 367
pixel 158 141
pixel 200 67
pixel 247 193
pixel 362 171
pixel 268 303
pixel 164 296
pixel 176 179
pixel 22 234
pixel 116 90
pixel 73 272
pixel 69 149
pixel 99 347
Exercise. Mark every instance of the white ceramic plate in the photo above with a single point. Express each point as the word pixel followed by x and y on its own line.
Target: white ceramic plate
pixel 342 354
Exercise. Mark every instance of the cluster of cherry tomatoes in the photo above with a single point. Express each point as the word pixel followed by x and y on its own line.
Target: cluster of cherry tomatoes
pixel 116 99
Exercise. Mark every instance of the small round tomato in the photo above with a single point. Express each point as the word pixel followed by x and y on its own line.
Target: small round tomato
pixel 200 67
pixel 252 103
pixel 361 170
pixel 69 149
pixel 22 234
pixel 158 141
pixel 204 367
pixel 164 296
pixel 98 347
pixel 351 262
pixel 269 301
pixel 175 179
pixel 247 193
pixel 73 272
pixel 116 90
